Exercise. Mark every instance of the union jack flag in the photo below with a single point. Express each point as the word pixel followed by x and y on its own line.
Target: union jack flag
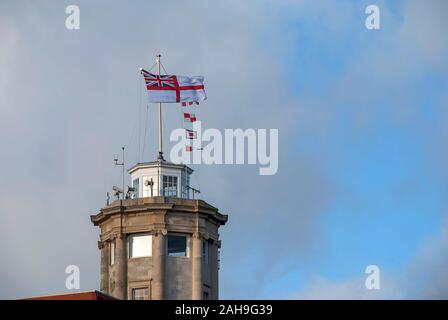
pixel 156 81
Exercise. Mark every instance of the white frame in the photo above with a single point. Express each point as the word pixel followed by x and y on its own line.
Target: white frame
pixel 112 253
pixel 187 237
pixel 139 288
pixel 130 243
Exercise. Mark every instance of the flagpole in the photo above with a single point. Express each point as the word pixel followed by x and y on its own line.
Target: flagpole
pixel 160 157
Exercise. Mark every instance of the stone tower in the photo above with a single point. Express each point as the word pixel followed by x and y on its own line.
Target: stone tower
pixel 157 242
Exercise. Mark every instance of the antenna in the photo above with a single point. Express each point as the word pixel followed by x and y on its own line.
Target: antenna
pixel 120 190
pixel 122 172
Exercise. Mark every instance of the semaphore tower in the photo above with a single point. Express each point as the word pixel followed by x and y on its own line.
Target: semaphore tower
pixel 157 241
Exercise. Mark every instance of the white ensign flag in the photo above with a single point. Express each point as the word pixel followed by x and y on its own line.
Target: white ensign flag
pixel 174 89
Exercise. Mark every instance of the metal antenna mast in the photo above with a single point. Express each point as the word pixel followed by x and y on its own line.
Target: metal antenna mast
pixel 160 157
pixel 122 171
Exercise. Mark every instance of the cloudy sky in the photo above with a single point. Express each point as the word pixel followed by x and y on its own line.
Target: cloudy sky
pixel 363 134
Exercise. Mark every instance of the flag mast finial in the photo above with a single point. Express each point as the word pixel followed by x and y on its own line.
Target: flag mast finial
pixel 160 157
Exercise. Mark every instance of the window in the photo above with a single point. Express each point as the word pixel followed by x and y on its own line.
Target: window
pixel 185 183
pixel 140 294
pixel 205 251
pixel 169 186
pixel 112 253
pixel 177 246
pixel 136 186
pixel 140 246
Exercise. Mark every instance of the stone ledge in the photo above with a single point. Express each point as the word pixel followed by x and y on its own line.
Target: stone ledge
pixel 158 205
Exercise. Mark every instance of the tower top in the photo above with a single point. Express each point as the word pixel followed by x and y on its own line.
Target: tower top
pixel 161 178
pixel 161 244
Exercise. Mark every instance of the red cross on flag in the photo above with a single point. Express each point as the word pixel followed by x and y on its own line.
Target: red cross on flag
pixel 174 89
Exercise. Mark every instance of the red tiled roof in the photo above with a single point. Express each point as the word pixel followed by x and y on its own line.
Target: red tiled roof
pixel 89 295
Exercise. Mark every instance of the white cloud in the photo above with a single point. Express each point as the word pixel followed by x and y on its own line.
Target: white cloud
pixel 64 95
pixel 354 289
pixel 424 277
pixel 77 98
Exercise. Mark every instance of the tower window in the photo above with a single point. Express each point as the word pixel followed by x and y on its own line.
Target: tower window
pixel 169 186
pixel 140 294
pixel 205 251
pixel 112 253
pixel 185 183
pixel 136 186
pixel 140 246
pixel 177 246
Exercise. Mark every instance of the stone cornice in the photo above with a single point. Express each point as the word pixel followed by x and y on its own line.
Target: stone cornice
pixel 159 205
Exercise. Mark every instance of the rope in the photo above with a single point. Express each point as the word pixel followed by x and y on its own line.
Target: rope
pixel 133 131
pixel 163 68
pixel 155 63
pixel 144 136
pixel 139 121
pixel 182 123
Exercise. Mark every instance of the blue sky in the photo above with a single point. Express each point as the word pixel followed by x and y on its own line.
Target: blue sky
pixel 362 120
pixel 389 202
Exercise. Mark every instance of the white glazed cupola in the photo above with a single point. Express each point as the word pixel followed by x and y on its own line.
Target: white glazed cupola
pixel 160 178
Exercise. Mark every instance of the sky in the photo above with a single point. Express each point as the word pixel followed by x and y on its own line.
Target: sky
pixel 363 126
